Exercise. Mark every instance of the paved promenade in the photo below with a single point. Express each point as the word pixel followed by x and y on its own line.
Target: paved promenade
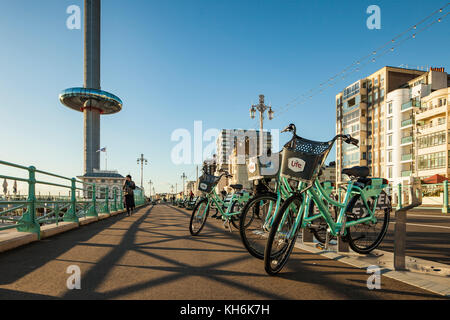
pixel 151 255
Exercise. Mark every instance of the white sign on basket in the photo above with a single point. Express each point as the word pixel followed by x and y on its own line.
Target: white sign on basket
pixel 296 164
pixel 203 186
pixel 251 167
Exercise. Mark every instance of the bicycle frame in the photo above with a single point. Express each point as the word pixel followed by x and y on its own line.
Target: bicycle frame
pixel 317 194
pixel 219 203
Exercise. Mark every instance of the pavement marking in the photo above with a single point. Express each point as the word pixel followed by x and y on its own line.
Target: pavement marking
pixel 425 225
pixel 426 216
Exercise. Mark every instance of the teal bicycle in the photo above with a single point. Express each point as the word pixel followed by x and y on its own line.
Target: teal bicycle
pixel 229 209
pixel 363 216
pixel 259 213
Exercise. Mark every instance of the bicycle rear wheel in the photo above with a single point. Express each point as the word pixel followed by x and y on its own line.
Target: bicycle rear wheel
pixel 365 237
pixel 253 228
pixel 282 235
pixel 198 218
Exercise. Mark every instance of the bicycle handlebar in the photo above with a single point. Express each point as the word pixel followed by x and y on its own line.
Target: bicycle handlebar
pixel 346 137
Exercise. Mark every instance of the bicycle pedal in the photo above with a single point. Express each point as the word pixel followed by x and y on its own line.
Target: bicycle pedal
pixel 320 246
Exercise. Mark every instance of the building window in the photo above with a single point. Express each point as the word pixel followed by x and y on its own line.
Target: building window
pixel 432 161
pixel 389 140
pixel 390 108
pixel 389 156
pixel 389 172
pixel 431 140
pixel 389 124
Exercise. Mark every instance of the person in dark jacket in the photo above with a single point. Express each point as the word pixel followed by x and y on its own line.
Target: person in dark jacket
pixel 128 188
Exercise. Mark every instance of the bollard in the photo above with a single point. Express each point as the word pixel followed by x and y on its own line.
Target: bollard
pixel 400 240
pixel 400 226
pixel 342 245
pixel 307 236
pixel 399 196
pixel 445 206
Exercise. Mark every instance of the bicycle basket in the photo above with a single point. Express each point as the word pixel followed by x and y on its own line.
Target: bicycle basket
pixel 301 158
pixel 207 182
pixel 260 167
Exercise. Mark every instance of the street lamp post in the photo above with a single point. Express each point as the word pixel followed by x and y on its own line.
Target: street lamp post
pixel 261 107
pixel 142 160
pixel 150 190
pixel 183 176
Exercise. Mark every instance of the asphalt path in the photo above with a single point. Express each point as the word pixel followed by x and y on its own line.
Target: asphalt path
pixel 151 255
pixel 427 236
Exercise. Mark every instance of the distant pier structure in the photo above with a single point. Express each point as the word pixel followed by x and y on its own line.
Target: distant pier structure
pixel 90 99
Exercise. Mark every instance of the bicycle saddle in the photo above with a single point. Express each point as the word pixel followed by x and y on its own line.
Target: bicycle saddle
pixel 236 186
pixel 360 172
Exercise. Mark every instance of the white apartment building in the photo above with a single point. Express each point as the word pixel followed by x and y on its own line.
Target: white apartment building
pixel 416 128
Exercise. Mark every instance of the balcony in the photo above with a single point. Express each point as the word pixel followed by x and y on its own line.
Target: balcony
pixel 406 123
pixel 406 173
pixel 407 157
pixel 408 139
pixel 407 105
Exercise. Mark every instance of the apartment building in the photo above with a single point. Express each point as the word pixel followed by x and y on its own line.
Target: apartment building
pixel 417 117
pixel 247 142
pixel 406 133
pixel 234 146
pixel 361 112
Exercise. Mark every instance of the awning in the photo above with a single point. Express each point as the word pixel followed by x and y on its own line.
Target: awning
pixel 437 178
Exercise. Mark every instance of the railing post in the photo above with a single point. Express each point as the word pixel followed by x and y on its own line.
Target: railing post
pixel 57 213
pixel 399 196
pixel 105 208
pixel 28 221
pixel 121 200
pixel 93 210
pixel 445 207
pixel 71 214
pixel 114 205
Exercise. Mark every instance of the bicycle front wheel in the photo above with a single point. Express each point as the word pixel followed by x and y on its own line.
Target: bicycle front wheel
pixel 282 235
pixel 199 216
pixel 255 223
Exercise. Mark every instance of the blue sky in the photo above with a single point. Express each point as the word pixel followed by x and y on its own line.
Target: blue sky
pixel 173 62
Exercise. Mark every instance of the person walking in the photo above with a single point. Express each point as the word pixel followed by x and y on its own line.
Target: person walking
pixel 128 188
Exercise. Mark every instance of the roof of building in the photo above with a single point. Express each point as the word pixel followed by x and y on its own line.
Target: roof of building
pixel 102 175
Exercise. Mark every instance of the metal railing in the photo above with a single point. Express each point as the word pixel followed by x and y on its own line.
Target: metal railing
pixel 28 213
pixel 406 122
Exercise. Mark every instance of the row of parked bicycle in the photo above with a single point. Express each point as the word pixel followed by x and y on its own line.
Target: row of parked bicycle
pixel 290 197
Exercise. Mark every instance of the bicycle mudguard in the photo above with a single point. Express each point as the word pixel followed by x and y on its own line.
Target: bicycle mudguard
pixel 374 187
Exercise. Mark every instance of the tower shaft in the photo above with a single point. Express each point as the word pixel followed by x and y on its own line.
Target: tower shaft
pixel 92 23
